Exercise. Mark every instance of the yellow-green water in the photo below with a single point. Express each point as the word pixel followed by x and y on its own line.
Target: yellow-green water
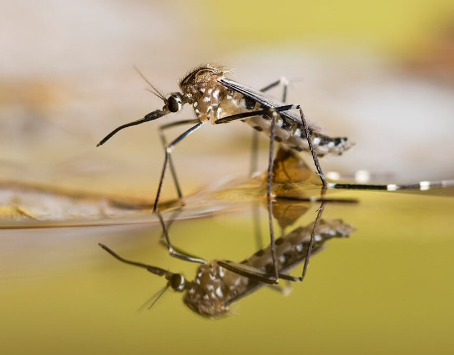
pixel 385 289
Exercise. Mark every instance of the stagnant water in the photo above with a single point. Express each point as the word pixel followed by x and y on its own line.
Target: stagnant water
pixel 385 287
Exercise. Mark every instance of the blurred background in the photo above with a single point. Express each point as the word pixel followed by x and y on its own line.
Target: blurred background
pixel 380 73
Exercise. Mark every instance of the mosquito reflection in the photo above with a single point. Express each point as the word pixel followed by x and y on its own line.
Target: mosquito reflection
pixel 220 283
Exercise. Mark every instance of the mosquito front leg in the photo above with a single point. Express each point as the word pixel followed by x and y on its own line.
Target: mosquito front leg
pixel 177 253
pixel 164 144
pixel 169 150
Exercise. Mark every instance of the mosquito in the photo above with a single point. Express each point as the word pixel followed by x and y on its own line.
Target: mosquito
pixel 217 99
pixel 220 283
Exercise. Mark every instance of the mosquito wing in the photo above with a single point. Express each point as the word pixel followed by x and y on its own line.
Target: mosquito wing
pixel 267 101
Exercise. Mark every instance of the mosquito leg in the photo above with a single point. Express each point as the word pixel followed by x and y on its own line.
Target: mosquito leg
pixel 285 290
pixel 285 83
pixel 254 153
pixel 314 154
pixel 313 233
pixel 269 198
pixel 264 112
pixel 255 134
pixel 307 132
pixel 254 157
pixel 256 222
pixel 169 223
pixel 254 274
pixel 169 149
pixel 165 238
pixel 271 155
pixel 164 144
pixel 178 253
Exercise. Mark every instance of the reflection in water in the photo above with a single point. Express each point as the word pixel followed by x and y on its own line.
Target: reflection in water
pixel 215 288
pixel 219 283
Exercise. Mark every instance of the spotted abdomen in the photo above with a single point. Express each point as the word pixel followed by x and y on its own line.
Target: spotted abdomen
pixel 292 136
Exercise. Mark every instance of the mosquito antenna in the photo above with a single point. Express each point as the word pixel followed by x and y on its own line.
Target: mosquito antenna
pixel 154 91
pixel 153 299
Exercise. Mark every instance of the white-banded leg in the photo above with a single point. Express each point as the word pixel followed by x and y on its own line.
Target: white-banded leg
pixel 269 113
pixel 312 150
pixel 272 113
pixel 168 152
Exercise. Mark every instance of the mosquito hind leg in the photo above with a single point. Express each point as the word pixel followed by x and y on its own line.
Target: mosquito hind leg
pixel 282 81
pixel 312 150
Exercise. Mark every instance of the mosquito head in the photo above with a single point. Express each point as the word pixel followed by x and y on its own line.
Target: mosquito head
pixel 177 282
pixel 174 102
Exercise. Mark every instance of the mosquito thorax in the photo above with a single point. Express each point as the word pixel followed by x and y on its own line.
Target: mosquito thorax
pixel 201 89
pixel 208 293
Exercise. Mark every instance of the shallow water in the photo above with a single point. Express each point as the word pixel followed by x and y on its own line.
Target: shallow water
pixel 385 288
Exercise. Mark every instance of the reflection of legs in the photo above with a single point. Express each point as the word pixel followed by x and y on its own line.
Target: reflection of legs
pixel 257 225
pixel 165 239
pixel 255 134
pixel 254 273
pixel 175 252
pixel 254 157
pixel 313 234
pixel 169 149
pixel 164 144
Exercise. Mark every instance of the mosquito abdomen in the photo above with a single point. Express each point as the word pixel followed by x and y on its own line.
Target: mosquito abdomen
pixel 292 136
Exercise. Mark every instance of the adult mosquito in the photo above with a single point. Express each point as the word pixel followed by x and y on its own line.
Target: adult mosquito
pixel 218 100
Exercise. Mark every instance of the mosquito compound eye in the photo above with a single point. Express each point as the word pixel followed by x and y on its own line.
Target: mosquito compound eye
pixel 177 282
pixel 174 103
